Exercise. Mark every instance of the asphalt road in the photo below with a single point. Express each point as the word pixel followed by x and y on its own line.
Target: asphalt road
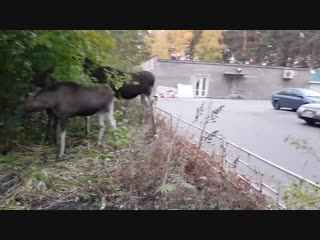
pixel 255 126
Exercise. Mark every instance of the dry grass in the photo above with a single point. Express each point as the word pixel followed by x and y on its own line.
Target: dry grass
pixel 191 182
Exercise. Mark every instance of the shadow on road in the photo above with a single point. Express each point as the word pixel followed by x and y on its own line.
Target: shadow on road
pixel 287 110
pixel 316 125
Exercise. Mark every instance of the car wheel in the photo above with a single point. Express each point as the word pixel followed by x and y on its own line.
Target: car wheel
pixel 310 121
pixel 276 105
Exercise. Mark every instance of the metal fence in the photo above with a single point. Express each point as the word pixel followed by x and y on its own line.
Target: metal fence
pixel 265 176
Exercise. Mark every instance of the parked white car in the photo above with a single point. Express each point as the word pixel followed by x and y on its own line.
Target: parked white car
pixel 309 112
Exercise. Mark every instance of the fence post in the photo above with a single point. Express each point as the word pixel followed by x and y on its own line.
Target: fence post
pixel 260 182
pixel 278 193
pixel 224 154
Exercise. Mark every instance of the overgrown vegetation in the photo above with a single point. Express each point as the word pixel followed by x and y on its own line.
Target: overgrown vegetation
pixel 302 195
pixel 139 167
pixel 24 53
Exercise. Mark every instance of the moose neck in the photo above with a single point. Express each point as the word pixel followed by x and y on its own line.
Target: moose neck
pixel 43 100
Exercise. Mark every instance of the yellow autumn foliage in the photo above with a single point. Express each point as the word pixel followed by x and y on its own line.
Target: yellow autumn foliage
pixel 161 42
pixel 210 45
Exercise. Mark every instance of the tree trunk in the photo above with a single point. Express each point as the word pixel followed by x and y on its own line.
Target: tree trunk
pixel 312 57
pixel 245 38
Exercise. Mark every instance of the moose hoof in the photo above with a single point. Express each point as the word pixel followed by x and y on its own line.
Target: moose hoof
pixel 64 157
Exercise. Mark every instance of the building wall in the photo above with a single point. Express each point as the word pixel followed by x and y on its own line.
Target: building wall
pixel 259 83
pixel 315 86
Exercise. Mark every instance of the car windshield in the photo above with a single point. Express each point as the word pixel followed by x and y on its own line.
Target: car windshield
pixel 311 93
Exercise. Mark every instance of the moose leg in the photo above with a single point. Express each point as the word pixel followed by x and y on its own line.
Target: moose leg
pixel 87 122
pixel 144 100
pixel 126 109
pixel 54 126
pixel 101 119
pixel 52 123
pixel 148 96
pixel 144 104
pixel 147 100
pixel 111 121
pixel 61 133
pixel 151 102
pixel 147 105
pixel 109 116
pixel 58 130
pixel 49 123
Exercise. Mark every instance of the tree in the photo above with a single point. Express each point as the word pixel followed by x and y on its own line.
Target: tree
pixel 157 43
pixel 295 48
pixel 210 46
pixel 312 47
pixel 166 42
pixel 196 36
pixel 129 51
pixel 180 40
pixel 24 53
pixel 245 45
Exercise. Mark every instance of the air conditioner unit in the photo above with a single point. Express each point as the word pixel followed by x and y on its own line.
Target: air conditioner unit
pixel 288 74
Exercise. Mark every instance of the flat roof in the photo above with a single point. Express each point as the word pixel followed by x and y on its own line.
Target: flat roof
pixel 230 64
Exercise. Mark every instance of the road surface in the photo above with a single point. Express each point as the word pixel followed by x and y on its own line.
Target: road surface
pixel 255 126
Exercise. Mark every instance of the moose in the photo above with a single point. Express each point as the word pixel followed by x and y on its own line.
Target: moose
pixel 44 80
pixel 65 100
pixel 140 83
